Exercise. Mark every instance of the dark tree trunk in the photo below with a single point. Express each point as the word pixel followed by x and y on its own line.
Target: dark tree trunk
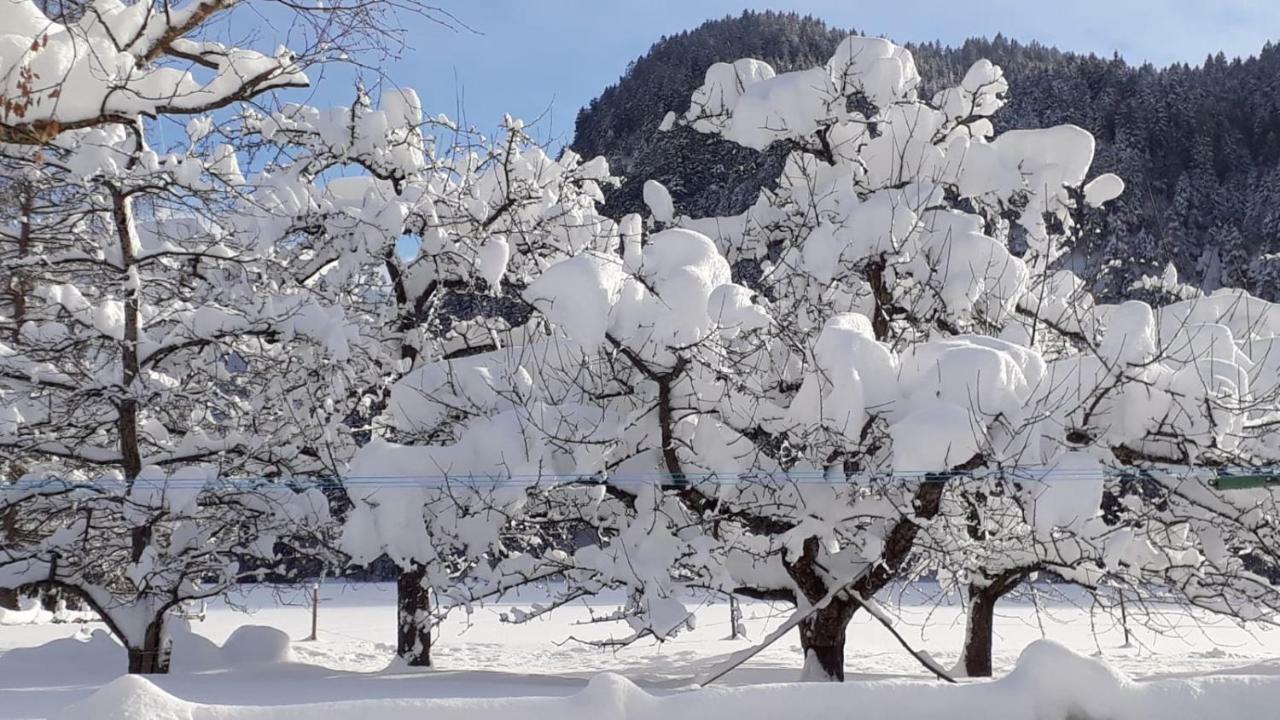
pixel 980 628
pixel 822 637
pixel 413 615
pixel 822 634
pixel 883 297
pixel 18 283
pixel 978 632
pixel 9 532
pixel 127 405
pixel 152 658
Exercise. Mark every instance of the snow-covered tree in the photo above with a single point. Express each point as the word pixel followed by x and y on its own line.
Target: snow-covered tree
pixel 151 349
pixel 427 235
pixel 886 249
pixel 137 550
pixel 156 341
pixel 934 279
pixel 897 323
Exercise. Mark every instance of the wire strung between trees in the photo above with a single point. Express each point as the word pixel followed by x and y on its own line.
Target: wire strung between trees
pixel 1225 477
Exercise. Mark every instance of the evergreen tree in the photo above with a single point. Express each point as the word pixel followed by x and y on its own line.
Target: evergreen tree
pixel 1199 147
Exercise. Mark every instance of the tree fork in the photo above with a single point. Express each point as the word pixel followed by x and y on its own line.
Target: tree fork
pixel 822 634
pixel 152 658
pixel 980 626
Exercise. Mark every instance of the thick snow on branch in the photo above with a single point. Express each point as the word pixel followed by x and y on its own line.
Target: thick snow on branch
pixel 120 61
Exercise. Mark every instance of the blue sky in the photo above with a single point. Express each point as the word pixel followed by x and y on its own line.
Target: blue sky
pixel 536 57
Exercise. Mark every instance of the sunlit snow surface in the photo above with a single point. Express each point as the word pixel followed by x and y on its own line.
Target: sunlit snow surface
pixel 482 657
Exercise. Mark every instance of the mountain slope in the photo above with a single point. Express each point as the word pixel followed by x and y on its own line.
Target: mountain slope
pixel 1199 147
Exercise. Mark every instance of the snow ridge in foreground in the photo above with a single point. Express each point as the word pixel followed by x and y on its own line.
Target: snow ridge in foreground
pixel 1049 682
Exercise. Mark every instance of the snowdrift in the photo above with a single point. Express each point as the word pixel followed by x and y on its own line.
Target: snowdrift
pixel 32 614
pixel 98 656
pixel 27 616
pixel 1049 683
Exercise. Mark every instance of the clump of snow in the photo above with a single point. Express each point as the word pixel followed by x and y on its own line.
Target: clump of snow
pixel 658 199
pixel 491 260
pixel 25 616
pixel 577 295
pixel 1066 494
pixel 387 521
pixel 786 105
pixel 103 64
pixel 683 268
pixel 256 645
pixel 722 85
pixel 880 70
pixel 1061 683
pixel 1103 189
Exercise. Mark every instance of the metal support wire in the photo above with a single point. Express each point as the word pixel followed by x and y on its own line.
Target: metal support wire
pixel 1223 479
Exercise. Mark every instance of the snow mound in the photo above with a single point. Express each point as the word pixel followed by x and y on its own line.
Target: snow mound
pixel 35 615
pixel 30 612
pixel 609 695
pixel 1064 684
pixel 1049 682
pixel 95 656
pixel 98 656
pixel 256 645
pixel 191 652
pixel 130 698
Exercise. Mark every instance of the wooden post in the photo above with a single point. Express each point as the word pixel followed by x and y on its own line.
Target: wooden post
pixel 315 611
pixel 735 617
pixel 1124 621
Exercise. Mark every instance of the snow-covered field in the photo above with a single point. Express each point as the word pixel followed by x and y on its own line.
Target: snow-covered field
pixel 42 671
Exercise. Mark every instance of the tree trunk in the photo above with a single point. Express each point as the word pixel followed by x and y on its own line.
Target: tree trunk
pixel 822 634
pixel 9 534
pixel 976 655
pixel 152 658
pixel 127 406
pixel 413 610
pixel 823 641
pixel 822 637
pixel 978 632
pixel 883 297
pixel 18 283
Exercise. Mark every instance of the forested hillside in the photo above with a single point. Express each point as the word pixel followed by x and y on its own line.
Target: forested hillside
pixel 1198 147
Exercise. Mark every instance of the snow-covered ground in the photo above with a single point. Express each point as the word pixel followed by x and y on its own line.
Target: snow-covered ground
pixel 483 657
